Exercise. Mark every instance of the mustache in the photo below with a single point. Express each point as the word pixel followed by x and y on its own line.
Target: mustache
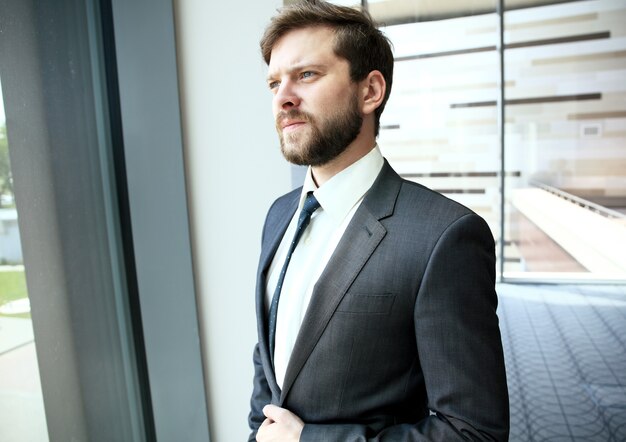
pixel 292 114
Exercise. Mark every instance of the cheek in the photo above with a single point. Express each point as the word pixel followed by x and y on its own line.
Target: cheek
pixel 338 98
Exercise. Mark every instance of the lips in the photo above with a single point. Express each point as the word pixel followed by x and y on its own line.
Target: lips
pixel 291 120
pixel 291 125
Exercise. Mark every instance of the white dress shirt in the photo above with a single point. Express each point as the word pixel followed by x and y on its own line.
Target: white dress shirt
pixel 339 198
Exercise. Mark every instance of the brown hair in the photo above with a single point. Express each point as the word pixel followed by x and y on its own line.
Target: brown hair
pixel 357 39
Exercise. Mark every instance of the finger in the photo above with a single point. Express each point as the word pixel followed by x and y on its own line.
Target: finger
pixel 272 412
pixel 260 433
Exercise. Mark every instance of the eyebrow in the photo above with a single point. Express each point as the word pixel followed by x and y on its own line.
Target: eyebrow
pixel 300 67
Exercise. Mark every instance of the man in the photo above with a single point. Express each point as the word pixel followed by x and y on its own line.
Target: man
pixel 375 296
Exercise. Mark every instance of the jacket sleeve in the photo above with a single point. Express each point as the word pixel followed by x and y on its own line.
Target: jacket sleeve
pixel 459 345
pixel 261 395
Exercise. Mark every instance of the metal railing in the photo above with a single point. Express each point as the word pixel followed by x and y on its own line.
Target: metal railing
pixel 596 208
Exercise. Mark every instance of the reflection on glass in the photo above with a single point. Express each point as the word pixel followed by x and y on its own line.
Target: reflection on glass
pixel 440 125
pixel 355 3
pixel 565 124
pixel 22 416
pixel 565 69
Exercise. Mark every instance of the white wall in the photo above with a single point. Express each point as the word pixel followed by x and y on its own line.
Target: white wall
pixel 234 172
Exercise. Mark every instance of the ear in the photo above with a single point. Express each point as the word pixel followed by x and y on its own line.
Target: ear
pixel 373 89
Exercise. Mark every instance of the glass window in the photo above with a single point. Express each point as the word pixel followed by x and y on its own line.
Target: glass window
pixel 564 150
pixel 440 126
pixel 94 133
pixel 565 66
pixel 22 416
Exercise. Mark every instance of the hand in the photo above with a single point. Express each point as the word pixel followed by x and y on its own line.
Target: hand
pixel 281 425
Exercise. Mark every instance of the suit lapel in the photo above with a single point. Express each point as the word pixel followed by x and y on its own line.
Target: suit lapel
pixel 280 219
pixel 359 241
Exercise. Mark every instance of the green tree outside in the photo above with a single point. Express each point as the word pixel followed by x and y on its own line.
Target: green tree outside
pixel 12 283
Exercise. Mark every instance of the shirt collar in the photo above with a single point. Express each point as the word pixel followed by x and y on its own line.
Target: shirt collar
pixel 339 194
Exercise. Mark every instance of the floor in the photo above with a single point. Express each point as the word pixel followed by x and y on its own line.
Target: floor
pixel 565 350
pixel 22 416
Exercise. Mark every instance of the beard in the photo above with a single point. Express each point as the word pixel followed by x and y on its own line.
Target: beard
pixel 325 140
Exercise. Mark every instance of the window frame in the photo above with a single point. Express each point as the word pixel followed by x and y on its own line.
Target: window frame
pixel 97 158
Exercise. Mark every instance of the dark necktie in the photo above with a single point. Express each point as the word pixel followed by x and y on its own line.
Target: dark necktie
pixel 310 206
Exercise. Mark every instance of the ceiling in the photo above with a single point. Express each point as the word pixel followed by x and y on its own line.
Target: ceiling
pixel 389 12
pixel 408 11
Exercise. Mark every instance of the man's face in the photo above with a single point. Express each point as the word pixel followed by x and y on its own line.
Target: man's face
pixel 315 103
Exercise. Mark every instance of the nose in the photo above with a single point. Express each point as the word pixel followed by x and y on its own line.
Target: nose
pixel 286 96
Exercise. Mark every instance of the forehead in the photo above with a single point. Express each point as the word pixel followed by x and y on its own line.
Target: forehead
pixel 310 45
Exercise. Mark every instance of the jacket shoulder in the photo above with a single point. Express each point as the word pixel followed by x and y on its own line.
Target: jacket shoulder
pixel 430 202
pixel 430 211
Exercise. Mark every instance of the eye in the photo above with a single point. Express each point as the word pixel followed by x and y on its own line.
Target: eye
pixel 307 74
pixel 273 84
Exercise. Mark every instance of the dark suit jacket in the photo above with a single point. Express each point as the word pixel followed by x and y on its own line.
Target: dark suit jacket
pixel 400 341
